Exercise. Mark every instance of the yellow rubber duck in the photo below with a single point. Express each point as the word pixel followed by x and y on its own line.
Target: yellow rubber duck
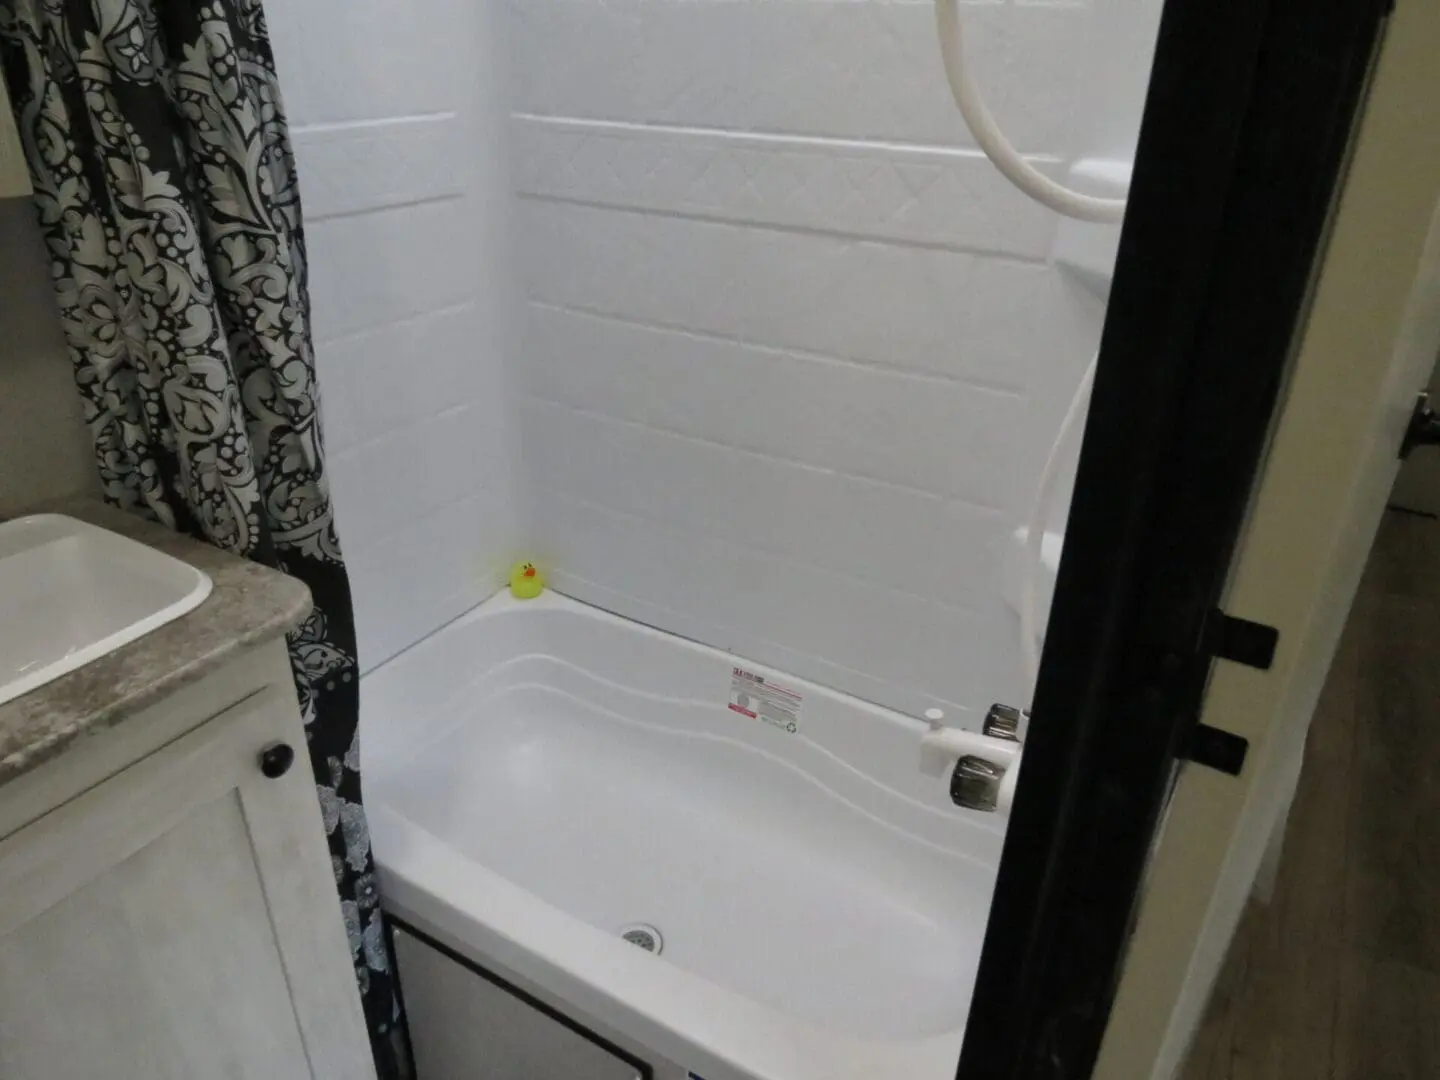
pixel 526 581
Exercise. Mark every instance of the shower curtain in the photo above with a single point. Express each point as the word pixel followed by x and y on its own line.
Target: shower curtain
pixel 166 192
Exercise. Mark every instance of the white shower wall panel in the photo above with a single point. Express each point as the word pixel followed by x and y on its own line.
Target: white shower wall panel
pixel 992 322
pixel 897 538
pixel 792 350
pixel 923 433
pixel 399 127
pixel 849 69
pixel 880 643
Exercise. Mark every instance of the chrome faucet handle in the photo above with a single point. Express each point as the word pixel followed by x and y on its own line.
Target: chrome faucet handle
pixel 1003 722
pixel 975 783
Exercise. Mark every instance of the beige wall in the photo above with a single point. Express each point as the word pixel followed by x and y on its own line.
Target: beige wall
pixel 44 448
pixel 13 178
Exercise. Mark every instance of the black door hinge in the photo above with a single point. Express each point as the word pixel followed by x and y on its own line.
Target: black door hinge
pixel 1216 749
pixel 1243 642
pixel 1250 643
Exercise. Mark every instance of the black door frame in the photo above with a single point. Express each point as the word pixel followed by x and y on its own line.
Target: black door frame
pixel 1245 136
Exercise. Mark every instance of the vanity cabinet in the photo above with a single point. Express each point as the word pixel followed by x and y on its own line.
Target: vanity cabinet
pixel 177 919
pixel 14 179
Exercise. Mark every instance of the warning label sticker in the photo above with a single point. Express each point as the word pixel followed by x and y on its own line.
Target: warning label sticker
pixel 758 698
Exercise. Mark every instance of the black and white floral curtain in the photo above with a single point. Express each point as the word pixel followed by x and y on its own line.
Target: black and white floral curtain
pixel 167 195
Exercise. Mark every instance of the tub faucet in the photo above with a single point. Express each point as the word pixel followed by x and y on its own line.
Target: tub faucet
pixel 986 766
pixel 1003 722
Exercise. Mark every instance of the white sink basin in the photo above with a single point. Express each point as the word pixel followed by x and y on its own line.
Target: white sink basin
pixel 71 592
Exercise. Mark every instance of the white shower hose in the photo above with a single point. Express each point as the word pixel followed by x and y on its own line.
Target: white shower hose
pixel 1035 530
pixel 1064 201
pixel 992 140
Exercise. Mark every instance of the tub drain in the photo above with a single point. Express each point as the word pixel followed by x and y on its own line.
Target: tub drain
pixel 645 936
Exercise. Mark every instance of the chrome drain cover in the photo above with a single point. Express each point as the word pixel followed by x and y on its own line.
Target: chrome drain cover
pixel 645 936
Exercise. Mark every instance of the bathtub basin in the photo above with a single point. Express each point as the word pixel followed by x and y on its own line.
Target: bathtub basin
pixel 543 776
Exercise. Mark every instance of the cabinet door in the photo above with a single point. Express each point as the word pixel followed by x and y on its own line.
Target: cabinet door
pixel 464 1026
pixel 180 921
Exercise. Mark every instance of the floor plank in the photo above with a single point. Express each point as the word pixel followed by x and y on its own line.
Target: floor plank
pixel 1388 1022
pixel 1392 894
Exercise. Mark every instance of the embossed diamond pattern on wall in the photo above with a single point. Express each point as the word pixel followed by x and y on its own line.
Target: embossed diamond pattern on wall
pixel 924 195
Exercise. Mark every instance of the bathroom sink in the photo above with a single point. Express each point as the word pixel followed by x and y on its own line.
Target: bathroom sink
pixel 71 592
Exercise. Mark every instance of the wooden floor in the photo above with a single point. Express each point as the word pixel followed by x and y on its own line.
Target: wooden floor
pixel 1338 977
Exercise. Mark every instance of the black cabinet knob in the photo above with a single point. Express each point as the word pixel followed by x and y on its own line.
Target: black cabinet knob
pixel 276 759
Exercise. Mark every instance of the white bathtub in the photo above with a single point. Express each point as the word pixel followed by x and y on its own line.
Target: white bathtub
pixel 541 774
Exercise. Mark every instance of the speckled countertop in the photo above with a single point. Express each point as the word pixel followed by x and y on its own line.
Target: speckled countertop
pixel 249 604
